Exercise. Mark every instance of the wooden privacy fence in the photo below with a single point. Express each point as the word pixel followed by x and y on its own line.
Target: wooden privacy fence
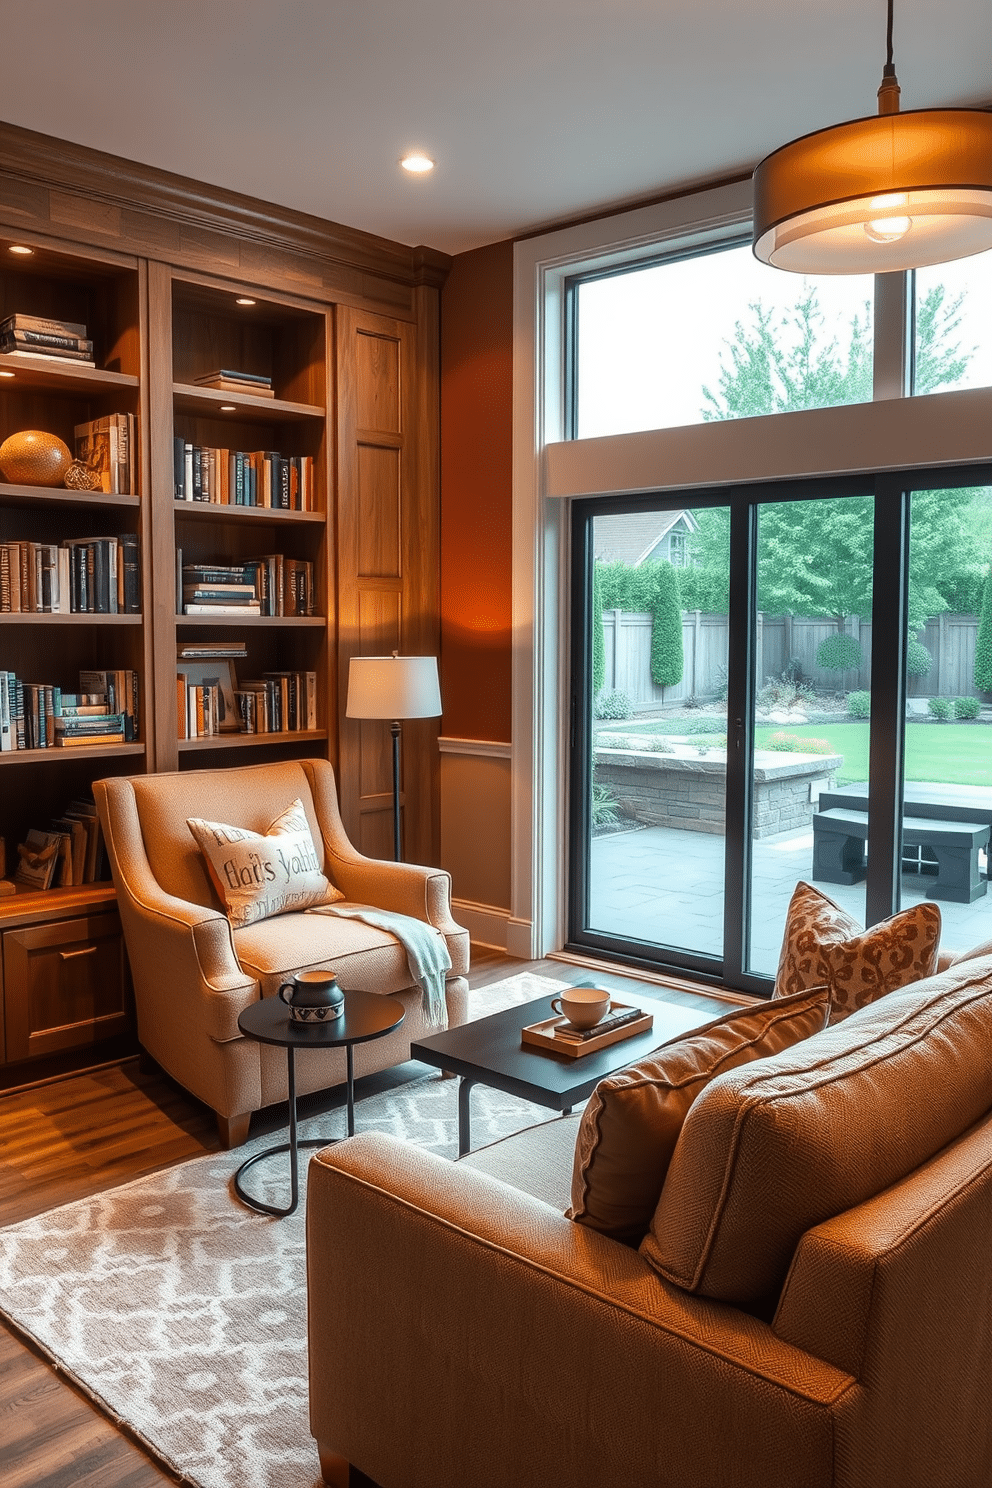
pixel 781 639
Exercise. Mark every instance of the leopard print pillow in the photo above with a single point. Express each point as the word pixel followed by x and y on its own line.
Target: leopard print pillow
pixel 823 945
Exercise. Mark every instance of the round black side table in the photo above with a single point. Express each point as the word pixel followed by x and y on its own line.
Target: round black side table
pixel 366 1016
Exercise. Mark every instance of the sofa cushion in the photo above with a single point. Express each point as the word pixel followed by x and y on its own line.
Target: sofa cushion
pixel 823 945
pixel 633 1118
pixel 261 874
pixel 771 1149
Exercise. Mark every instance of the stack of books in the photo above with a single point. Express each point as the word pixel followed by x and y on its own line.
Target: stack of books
pixel 217 589
pixel 38 336
pixel 39 715
pixel 108 446
pixel 81 575
pixel 237 382
pixel 278 703
pixel 229 477
pixel 68 854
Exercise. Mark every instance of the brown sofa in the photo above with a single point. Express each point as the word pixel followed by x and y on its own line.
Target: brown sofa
pixel 811 1308
pixel 193 974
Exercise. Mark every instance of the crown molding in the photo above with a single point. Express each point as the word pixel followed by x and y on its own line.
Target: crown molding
pixel 40 160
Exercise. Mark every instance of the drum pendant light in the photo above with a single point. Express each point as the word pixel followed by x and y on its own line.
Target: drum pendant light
pixel 892 191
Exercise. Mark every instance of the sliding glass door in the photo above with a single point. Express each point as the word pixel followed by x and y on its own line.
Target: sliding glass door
pixel 743 669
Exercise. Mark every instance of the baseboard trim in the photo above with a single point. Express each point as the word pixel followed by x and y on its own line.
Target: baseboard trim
pixel 657 978
pixel 485 923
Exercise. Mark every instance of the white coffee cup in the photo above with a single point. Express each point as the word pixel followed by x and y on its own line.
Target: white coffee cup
pixel 582 1006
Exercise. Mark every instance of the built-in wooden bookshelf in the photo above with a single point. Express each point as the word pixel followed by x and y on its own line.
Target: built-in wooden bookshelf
pixel 172 281
pixel 101 291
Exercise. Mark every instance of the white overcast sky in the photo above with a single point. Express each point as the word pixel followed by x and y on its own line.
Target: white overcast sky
pixel 650 341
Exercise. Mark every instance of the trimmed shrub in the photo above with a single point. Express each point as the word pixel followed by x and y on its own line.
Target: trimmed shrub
pixel 859 704
pixel 967 707
pixel 983 646
pixel 613 704
pixel 940 707
pixel 839 653
pixel 793 744
pixel 918 660
pixel 667 660
pixel 657 745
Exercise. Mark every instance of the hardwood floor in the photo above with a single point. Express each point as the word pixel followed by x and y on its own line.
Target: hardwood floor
pixel 68 1138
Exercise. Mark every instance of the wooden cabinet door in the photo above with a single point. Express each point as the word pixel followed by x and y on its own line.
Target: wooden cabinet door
pixel 64 985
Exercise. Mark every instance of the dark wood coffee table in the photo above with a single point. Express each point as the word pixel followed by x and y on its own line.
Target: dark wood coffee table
pixel 489 1052
pixel 367 1015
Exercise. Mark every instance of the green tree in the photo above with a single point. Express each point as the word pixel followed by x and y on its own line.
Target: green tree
pixel 816 556
pixel 983 648
pixel 667 659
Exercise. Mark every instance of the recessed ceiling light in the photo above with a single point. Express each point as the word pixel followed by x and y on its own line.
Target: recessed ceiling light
pixel 417 164
pixel 20 248
pixel 244 300
pixel 228 408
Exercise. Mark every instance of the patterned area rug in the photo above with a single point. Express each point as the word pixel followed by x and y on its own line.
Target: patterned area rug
pixel 182 1314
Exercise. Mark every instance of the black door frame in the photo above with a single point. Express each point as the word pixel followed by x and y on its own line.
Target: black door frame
pixel 890 595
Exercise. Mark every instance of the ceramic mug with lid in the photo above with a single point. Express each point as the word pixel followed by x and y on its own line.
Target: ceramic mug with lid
pixel 312 997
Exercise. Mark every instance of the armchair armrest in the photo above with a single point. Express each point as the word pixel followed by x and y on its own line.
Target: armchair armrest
pixel 589 1369
pixel 163 931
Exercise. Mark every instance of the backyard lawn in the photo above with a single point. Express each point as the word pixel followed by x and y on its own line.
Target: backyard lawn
pixel 946 753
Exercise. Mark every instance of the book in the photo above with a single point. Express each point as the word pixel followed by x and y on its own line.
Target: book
pixel 254 379
pixel 235 385
pixel 20 321
pixel 546 1034
pixel 605 1025
pixel 8 348
pixel 46 340
pixel 251 608
pixel 208 650
pixel 71 741
pixel 37 859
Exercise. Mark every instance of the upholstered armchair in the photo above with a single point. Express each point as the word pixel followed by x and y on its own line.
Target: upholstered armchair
pixel 194 974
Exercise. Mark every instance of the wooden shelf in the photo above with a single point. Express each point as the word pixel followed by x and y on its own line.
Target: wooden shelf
pixel 76 617
pixel 60 495
pixel 247 741
pixel 57 755
pixel 207 402
pixel 215 509
pixel 68 377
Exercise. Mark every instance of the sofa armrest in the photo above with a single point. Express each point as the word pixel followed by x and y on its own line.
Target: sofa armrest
pixel 531 1350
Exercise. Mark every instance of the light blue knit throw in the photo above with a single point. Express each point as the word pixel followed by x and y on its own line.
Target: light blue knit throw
pixel 425 948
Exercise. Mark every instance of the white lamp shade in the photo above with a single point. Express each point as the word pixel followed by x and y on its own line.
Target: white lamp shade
pixel 393 687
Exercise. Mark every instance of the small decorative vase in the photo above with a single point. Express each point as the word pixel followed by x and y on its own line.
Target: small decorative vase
pixel 33 458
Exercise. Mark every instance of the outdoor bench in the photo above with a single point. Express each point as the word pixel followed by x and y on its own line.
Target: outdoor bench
pixel 840 835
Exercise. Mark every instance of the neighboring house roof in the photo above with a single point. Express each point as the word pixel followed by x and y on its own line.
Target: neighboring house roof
pixel 631 537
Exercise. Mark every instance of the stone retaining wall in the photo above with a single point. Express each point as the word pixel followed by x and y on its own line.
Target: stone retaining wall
pixel 687 790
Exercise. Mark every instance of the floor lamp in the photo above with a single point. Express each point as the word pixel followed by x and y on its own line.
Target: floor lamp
pixel 394 687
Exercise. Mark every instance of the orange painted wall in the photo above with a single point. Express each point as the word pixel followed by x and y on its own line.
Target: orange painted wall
pixel 476 493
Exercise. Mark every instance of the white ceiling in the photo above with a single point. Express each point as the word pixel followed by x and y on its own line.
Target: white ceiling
pixel 536 111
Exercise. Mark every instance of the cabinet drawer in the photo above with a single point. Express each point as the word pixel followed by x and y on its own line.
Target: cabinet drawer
pixel 64 985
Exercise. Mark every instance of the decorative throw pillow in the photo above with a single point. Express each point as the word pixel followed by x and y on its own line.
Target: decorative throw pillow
pixel 823 945
pixel 258 875
pixel 633 1119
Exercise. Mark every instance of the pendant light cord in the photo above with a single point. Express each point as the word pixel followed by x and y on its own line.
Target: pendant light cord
pixel 888 93
pixel 888 43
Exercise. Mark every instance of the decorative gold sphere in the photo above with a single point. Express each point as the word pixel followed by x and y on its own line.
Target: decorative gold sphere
pixel 33 458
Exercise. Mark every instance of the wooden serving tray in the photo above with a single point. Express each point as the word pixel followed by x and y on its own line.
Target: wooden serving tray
pixel 542 1035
